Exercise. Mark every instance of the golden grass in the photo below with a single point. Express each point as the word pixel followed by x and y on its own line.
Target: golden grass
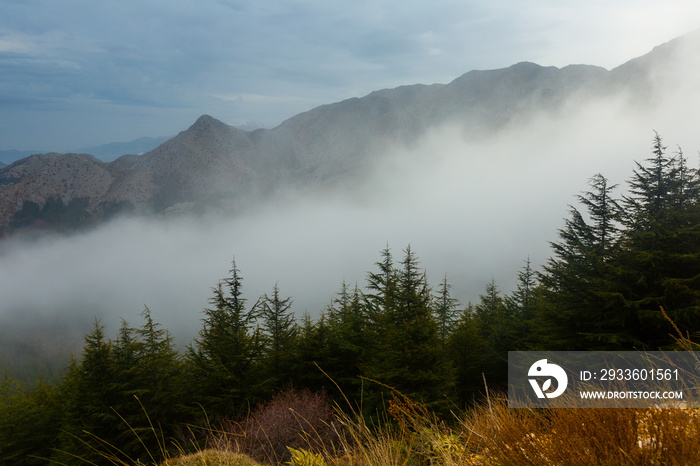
pixel 651 436
pixel 494 435
pixel 212 458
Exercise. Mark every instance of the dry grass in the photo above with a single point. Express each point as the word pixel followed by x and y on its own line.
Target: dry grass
pixel 212 458
pixel 493 434
pixel 415 437
pixel 651 436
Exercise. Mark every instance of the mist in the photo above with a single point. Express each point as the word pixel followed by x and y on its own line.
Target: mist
pixel 473 210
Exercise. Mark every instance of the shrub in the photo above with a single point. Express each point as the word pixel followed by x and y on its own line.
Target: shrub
pixel 295 419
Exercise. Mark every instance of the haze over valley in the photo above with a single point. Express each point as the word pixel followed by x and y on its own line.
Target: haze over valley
pixel 474 194
pixel 475 174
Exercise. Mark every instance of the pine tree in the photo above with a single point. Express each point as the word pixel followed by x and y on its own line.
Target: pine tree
pixel 349 340
pixel 468 351
pixel 496 325
pixel 661 254
pixel 312 354
pixel 585 308
pixel 159 378
pixel 446 311
pixel 279 334
pixel 521 305
pixel 223 358
pixel 408 355
pixel 88 395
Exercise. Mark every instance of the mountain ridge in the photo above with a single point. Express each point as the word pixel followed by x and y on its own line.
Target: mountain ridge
pixel 214 164
pixel 105 152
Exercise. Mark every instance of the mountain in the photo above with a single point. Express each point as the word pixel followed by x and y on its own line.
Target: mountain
pixel 105 152
pixel 212 164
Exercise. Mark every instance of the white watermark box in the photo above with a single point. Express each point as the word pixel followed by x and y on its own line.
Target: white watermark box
pixel 603 379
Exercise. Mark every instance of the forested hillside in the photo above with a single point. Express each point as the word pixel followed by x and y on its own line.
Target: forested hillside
pixel 622 266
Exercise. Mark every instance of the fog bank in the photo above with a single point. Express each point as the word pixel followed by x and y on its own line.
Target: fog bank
pixel 474 210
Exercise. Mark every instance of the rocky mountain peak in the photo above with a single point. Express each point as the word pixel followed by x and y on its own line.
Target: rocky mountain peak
pixel 207 122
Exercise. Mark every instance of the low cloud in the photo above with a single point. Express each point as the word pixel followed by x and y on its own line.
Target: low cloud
pixel 471 209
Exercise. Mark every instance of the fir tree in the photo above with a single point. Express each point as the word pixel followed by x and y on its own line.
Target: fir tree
pixel 223 358
pixel 521 304
pixel 88 395
pixel 604 212
pixel 446 311
pixel 585 309
pixel 408 356
pixel 349 340
pixel 650 189
pixel 496 325
pixel 312 354
pixel 661 254
pixel 126 355
pixel 522 300
pixel 279 334
pixel 382 285
pixel 468 351
pixel 158 378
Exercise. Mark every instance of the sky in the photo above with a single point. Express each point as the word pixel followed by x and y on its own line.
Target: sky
pixel 78 73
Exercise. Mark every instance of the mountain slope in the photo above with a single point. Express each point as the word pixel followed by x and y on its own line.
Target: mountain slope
pixel 209 159
pixel 212 163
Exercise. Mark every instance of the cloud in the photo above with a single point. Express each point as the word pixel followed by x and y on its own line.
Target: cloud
pixel 471 209
pixel 14 45
pixel 255 98
pixel 599 32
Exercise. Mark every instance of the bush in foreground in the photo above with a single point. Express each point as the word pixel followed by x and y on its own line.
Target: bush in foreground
pixel 292 419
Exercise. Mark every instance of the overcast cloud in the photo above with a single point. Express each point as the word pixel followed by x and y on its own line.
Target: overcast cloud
pixel 76 73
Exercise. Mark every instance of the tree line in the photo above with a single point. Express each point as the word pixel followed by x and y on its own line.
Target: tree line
pixel 623 272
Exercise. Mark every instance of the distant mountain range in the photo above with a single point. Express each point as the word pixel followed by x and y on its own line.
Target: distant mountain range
pixel 9 156
pixel 105 152
pixel 113 150
pixel 214 165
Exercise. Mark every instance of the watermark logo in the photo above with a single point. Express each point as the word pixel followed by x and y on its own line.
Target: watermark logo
pixel 541 369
